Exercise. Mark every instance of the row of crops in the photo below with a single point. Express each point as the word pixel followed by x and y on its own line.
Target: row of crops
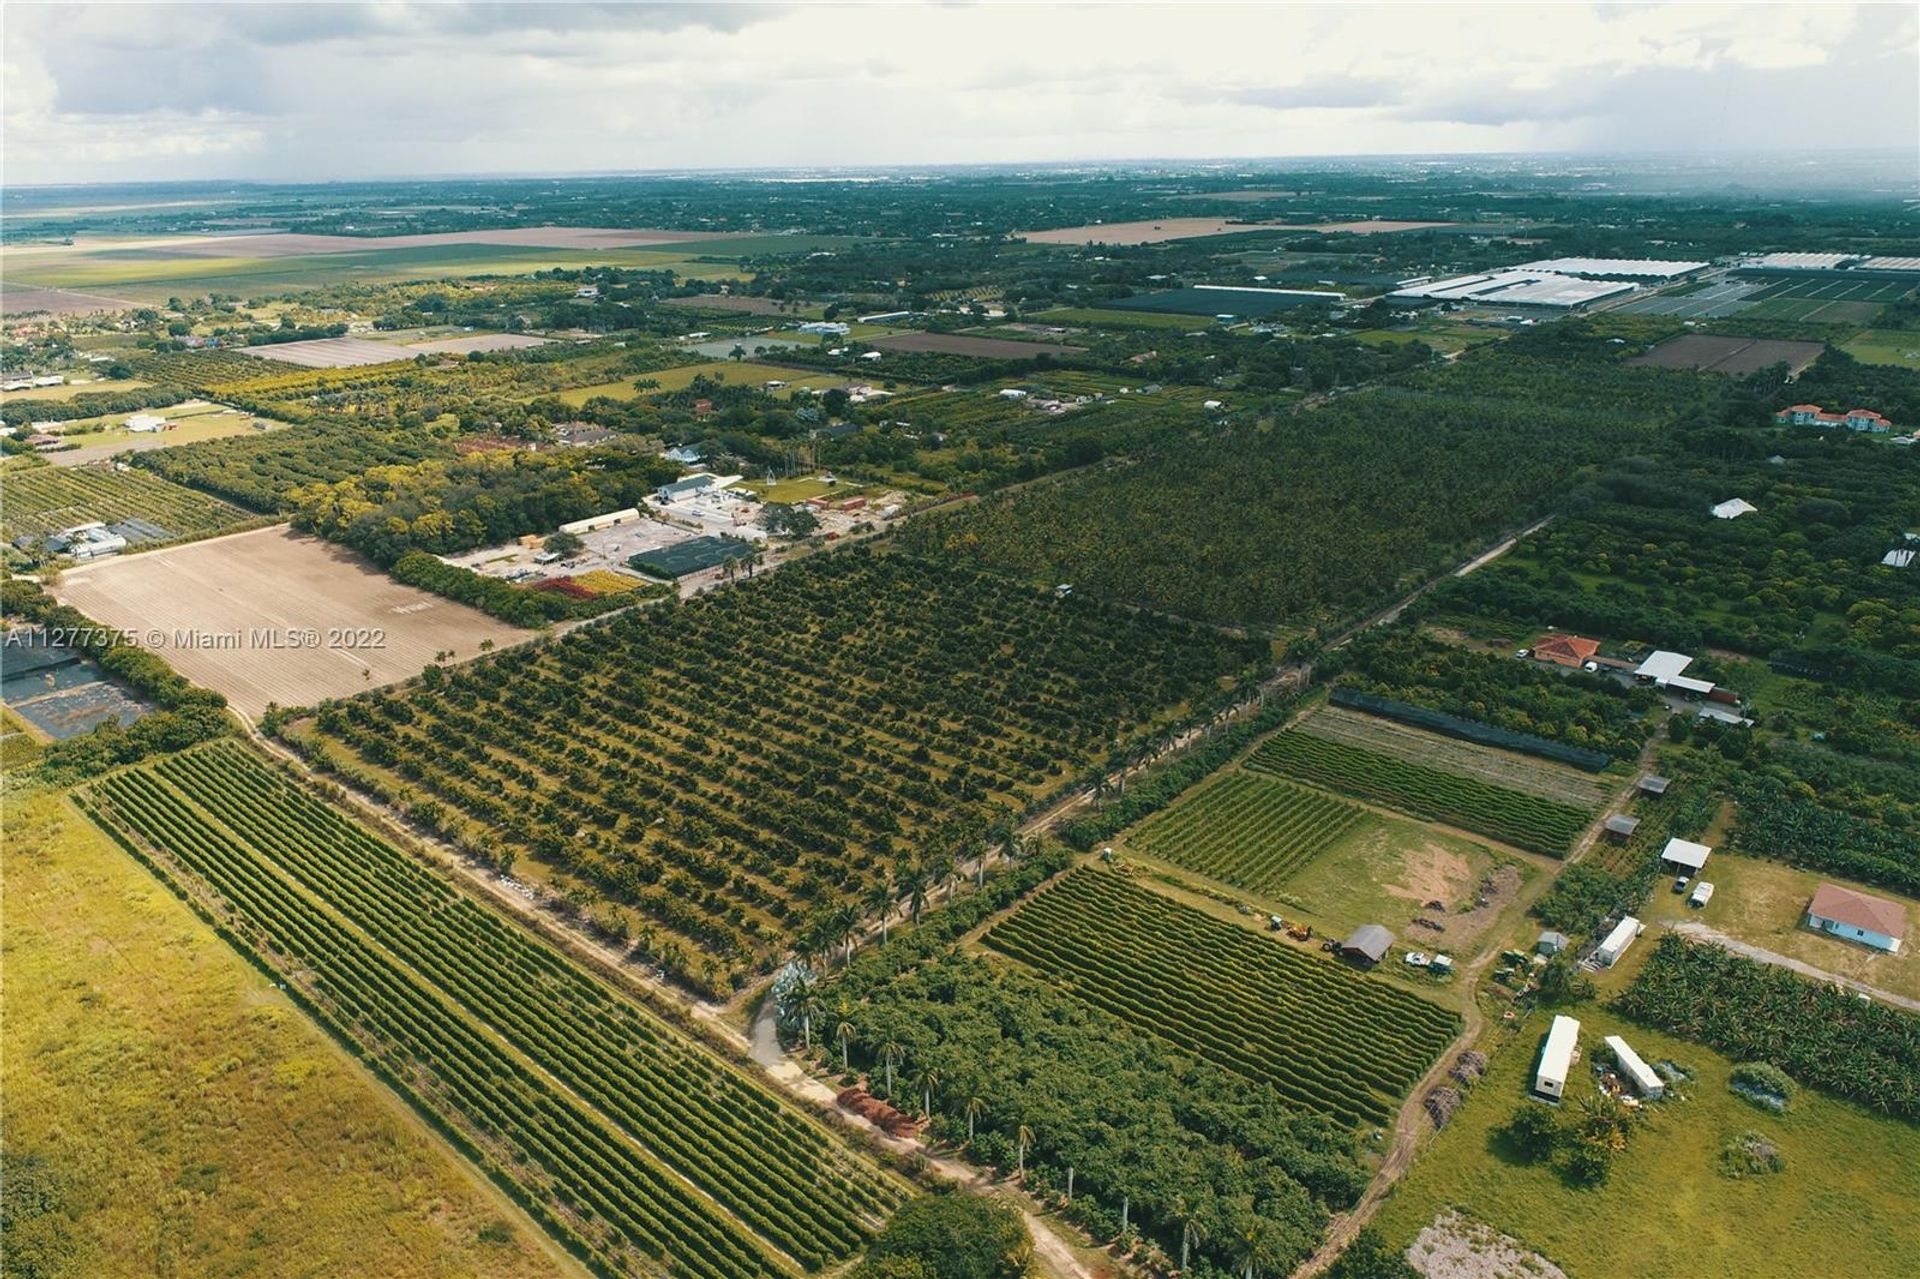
pixel 1250 831
pixel 1526 821
pixel 46 499
pixel 1323 1036
pixel 761 758
pixel 644 1148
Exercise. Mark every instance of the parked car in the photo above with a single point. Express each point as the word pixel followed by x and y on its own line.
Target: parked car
pixel 1680 883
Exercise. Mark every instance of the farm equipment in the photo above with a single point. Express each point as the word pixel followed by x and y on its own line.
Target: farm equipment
pixel 1300 932
pixel 1275 923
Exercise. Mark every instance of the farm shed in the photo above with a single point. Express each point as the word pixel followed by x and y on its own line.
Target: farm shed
pixel 1556 1058
pixel 1621 827
pixel 1618 940
pixel 1550 943
pixel 1684 854
pixel 1368 944
pixel 1652 784
pixel 1845 912
pixel 1733 508
pixel 1644 1078
pixel 606 520
pixel 1901 557
pixel 1565 650
pixel 1662 664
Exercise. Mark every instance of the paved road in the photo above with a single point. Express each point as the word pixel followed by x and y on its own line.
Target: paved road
pixel 1700 932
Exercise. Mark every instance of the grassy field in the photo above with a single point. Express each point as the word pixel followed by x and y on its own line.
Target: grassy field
pixel 44 499
pixel 801 488
pixel 1848 1187
pixel 1100 318
pixel 745 371
pixel 67 392
pixel 154 278
pixel 1885 346
pixel 1765 903
pixel 191 1120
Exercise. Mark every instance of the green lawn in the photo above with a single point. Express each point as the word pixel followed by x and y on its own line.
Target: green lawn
pixel 802 488
pixel 1843 1205
pixel 62 393
pixel 1885 346
pixel 1122 319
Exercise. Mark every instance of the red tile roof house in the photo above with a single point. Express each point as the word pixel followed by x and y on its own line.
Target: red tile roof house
pixel 1843 912
pixel 1565 650
pixel 1814 415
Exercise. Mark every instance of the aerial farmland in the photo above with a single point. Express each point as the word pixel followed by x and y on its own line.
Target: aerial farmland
pixel 607 709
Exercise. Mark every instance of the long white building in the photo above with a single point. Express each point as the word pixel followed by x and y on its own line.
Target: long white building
pixel 1556 1059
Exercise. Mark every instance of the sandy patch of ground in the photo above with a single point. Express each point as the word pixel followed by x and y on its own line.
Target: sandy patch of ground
pixel 1431 873
pixel 1458 1247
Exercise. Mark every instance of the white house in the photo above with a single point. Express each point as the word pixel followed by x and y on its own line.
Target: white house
pixel 146 422
pixel 1642 1076
pixel 1618 940
pixel 1844 912
pixel 699 485
pixel 1556 1059
pixel 1733 508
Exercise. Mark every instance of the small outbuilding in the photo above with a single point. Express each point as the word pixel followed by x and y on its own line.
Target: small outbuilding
pixel 1661 665
pixel 1652 784
pixel 1550 943
pixel 1556 1058
pixel 1621 827
pixel 1618 940
pixel 1684 854
pixel 1856 916
pixel 1733 508
pixel 1368 944
pixel 1645 1080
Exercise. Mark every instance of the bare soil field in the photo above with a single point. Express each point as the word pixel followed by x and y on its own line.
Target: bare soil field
pixel 1371 226
pixel 332 353
pixel 1155 232
pixel 24 300
pixel 475 342
pixel 1704 352
pixel 726 302
pixel 1520 772
pixel 275 616
pixel 985 348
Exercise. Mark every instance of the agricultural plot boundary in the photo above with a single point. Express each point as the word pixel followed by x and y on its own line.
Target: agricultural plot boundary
pixel 47 499
pixel 1248 830
pixel 1322 1036
pixel 1535 776
pixel 635 1146
pixel 1525 821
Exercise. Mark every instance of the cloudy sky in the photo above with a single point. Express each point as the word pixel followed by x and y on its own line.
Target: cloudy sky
pixel 313 91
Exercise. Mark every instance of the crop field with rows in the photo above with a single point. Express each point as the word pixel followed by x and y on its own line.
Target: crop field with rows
pixel 1525 821
pixel 1548 780
pixel 1247 830
pixel 746 765
pixel 1325 1037
pixel 625 1137
pixel 47 499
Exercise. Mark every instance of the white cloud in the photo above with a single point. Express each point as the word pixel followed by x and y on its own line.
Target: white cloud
pixel 315 91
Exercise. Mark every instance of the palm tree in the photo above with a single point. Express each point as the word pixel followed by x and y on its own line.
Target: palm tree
pixel 976 1106
pixel 1253 1247
pixel 915 884
pixel 807 1004
pixel 1191 1231
pixel 879 901
pixel 846 928
pixel 1025 1138
pixel 844 1032
pixel 926 1079
pixel 891 1055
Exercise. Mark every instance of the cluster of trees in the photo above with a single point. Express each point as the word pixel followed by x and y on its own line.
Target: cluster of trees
pixel 1187 1163
pixel 17 412
pixel 516 605
pixel 444 505
pixel 185 713
pixel 261 471
pixel 950 1236
pixel 1573 707
pixel 1821 1035
pixel 1380 488
pixel 1583 1144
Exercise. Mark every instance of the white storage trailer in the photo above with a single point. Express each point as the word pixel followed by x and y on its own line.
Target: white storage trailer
pixel 1556 1059
pixel 1643 1077
pixel 1618 940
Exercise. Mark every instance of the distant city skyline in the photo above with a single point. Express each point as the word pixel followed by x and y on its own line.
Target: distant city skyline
pixel 99 93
